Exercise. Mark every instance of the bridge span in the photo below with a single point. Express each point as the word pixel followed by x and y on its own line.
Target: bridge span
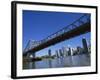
pixel 78 27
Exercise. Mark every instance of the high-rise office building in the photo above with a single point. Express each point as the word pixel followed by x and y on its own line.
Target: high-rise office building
pixel 64 50
pixel 60 52
pixel 79 50
pixel 85 47
pixel 69 52
pixel 49 52
pixel 57 54
pixel 74 51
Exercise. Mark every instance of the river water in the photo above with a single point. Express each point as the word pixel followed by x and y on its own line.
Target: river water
pixel 69 61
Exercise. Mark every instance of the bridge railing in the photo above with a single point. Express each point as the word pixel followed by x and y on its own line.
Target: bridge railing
pixel 82 20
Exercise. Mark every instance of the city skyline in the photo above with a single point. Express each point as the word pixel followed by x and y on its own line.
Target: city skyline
pixel 38 25
pixel 59 46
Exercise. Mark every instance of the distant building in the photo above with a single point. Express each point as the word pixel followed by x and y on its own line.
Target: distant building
pixel 61 52
pixel 85 45
pixel 74 51
pixel 65 51
pixel 57 53
pixel 69 51
pixel 89 48
pixel 79 50
pixel 49 52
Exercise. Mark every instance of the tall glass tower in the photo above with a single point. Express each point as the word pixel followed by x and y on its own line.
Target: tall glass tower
pixel 85 47
pixel 49 52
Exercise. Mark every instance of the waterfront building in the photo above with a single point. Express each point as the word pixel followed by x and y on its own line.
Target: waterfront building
pixel 69 52
pixel 60 52
pixel 79 50
pixel 74 51
pixel 85 45
pixel 89 48
pixel 64 50
pixel 57 53
pixel 49 52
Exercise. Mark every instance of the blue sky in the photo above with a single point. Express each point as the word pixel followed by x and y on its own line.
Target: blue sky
pixel 37 25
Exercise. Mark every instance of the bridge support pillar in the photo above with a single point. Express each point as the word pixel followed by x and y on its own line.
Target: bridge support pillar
pixel 33 54
pixel 30 55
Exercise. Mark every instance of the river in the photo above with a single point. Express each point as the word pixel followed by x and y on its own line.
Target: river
pixel 69 61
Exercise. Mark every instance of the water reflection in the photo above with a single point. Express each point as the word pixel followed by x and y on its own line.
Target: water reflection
pixel 69 61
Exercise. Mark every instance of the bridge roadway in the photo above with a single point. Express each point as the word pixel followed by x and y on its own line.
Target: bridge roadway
pixel 65 36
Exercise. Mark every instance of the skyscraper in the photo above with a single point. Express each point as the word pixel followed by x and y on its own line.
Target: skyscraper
pixel 57 54
pixel 64 51
pixel 69 52
pixel 49 52
pixel 60 52
pixel 85 45
pixel 79 50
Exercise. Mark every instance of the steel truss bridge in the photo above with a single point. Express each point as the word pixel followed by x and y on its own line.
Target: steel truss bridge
pixel 78 27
